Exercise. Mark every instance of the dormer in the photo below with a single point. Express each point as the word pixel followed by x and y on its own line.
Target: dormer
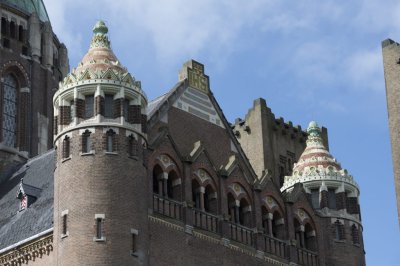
pixel 27 195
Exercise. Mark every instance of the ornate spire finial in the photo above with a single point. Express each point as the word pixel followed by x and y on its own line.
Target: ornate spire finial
pixel 314 135
pixel 100 38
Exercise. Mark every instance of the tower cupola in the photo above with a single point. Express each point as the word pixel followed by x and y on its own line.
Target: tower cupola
pixel 323 177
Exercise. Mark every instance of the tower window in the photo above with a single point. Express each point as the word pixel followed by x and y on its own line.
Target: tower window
pixel 66 147
pixel 134 233
pixel 109 106
pixel 10 111
pixel 355 234
pixel 89 104
pixel 315 198
pixel 3 26
pixel 64 225
pixel 20 33
pixel 126 109
pixel 12 30
pixel 99 228
pixel 332 199
pixel 339 231
pixel 132 146
pixel 99 218
pixel 110 141
pixel 86 142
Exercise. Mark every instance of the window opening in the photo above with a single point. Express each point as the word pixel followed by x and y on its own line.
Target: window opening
pixel 10 111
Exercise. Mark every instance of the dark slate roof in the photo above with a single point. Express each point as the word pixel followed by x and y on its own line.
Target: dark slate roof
pixel 31 190
pixel 15 225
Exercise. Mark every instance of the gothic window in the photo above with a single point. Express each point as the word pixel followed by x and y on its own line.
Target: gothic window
pixel 339 230
pixel 109 106
pixel 10 111
pixel 66 147
pixel 110 139
pixel 89 105
pixel 132 146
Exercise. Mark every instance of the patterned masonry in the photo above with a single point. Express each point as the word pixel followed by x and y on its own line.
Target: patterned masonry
pixel 165 182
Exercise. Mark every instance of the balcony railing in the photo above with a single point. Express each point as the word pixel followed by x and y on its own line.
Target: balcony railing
pixel 167 207
pixel 275 246
pixel 213 223
pixel 240 233
pixel 307 257
pixel 205 220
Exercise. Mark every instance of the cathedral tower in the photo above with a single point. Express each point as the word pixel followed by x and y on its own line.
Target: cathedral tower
pixel 334 196
pixel 100 193
pixel 391 64
pixel 32 62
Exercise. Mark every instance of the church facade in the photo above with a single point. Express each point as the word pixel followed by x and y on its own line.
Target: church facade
pixel 121 180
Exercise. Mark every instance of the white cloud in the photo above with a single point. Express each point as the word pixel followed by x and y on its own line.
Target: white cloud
pixel 365 70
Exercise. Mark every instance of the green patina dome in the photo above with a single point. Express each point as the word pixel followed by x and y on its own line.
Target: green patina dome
pixel 29 7
pixel 100 28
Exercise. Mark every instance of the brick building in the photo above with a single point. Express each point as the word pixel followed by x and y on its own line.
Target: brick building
pixel 171 182
pixel 391 64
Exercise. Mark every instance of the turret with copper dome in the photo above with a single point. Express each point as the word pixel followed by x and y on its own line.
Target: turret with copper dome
pixel 333 194
pixel 100 217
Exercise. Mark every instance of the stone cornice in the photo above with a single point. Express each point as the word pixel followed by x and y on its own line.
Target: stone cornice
pixel 30 251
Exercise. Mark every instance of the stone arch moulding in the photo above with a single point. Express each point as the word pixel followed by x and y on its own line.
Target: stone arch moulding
pixel 17 69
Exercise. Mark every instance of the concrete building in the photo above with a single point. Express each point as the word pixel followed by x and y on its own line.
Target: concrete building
pixel 391 64
pixel 171 182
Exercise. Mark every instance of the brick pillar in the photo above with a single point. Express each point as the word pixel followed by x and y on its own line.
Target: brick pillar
pixel 291 248
pixel 324 199
pixel 99 105
pixel 55 125
pixel 134 114
pixel 65 115
pixel 352 205
pixel 80 108
pixel 118 107
pixel 341 200
pixel 144 123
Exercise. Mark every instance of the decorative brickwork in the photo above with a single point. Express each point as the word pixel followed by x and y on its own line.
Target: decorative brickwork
pixel 324 199
pixel 118 110
pixel 80 108
pixel 65 115
pixel 99 105
pixel 134 114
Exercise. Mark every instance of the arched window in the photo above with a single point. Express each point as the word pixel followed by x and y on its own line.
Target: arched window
pixel 339 230
pixel 196 194
pixel 278 227
pixel 20 33
pixel 234 217
pixel 10 111
pixel 111 141
pixel 157 181
pixel 245 213
pixel 13 31
pixel 210 200
pixel 132 146
pixel 3 26
pixel 66 147
pixel 310 241
pixel 174 186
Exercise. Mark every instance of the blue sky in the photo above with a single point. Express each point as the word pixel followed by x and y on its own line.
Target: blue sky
pixel 310 60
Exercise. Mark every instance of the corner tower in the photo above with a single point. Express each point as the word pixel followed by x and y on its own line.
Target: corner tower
pixel 391 64
pixel 334 196
pixel 100 193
